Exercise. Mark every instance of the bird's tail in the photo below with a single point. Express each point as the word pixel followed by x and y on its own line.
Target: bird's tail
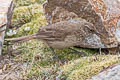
pixel 21 39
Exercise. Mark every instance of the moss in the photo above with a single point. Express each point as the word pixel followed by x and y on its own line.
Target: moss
pixel 19 3
pixel 26 14
pixel 84 68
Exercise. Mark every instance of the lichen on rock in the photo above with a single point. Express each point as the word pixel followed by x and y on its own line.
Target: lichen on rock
pixel 103 14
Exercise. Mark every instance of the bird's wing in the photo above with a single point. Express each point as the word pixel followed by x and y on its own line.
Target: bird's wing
pixel 52 33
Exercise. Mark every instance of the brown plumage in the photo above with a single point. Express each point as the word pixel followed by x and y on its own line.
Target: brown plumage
pixel 63 34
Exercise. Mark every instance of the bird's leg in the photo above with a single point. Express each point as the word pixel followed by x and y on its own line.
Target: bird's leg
pixel 54 53
pixel 76 51
pixel 100 51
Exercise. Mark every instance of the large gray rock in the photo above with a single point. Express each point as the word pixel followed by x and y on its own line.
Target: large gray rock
pixel 6 8
pixel 112 73
pixel 103 14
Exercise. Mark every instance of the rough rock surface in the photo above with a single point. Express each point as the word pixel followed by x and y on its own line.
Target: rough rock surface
pixel 112 73
pixel 6 7
pixel 103 14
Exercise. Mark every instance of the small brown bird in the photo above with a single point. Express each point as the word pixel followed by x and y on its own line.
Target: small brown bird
pixel 64 34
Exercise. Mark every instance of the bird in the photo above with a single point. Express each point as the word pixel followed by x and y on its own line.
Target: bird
pixel 60 35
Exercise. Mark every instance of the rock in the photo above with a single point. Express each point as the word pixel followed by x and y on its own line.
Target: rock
pixel 6 8
pixel 103 14
pixel 112 73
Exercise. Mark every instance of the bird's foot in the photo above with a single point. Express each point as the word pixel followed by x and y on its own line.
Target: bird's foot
pixel 76 51
pixel 55 57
